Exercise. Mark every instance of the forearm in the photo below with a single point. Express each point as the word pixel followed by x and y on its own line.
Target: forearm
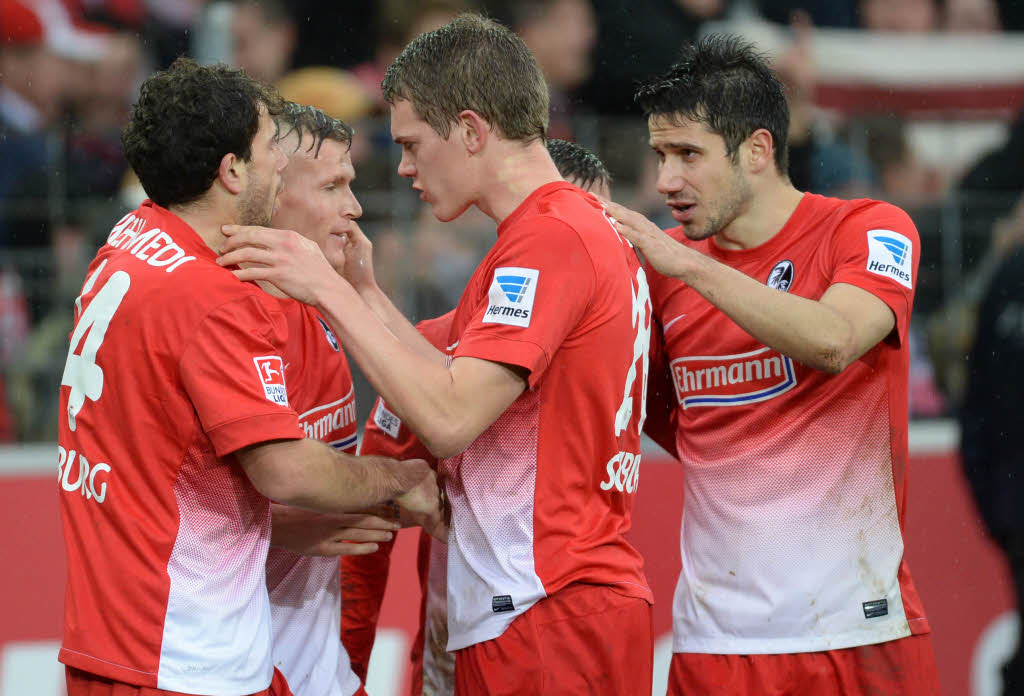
pixel 310 475
pixel 384 309
pixel 806 330
pixel 419 389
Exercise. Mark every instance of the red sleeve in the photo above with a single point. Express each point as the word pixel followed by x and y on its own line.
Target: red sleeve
pixel 541 286
pixel 234 376
pixel 660 424
pixel 877 248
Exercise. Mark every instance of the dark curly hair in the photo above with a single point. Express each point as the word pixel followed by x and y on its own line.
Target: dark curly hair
pixel 186 119
pixel 577 163
pixel 724 83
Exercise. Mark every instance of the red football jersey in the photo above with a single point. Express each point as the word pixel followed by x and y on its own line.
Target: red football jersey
pixel 305 591
pixel 542 498
pixel 364 577
pixel 173 365
pixel 795 479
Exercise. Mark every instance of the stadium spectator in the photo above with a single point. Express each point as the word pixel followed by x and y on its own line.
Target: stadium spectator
pixel 364 577
pixel 990 421
pixel 175 425
pixel 263 35
pixel 785 318
pixel 818 161
pixel 636 40
pixel 561 34
pixel 554 322
pixel 971 16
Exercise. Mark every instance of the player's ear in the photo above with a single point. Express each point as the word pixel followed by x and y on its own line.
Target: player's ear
pixel 231 173
pixel 758 150
pixel 474 131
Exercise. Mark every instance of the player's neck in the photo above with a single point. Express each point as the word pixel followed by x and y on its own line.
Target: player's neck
pixel 516 172
pixel 765 215
pixel 206 219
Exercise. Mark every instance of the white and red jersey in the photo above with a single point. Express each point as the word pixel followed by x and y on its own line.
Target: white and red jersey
pixel 795 479
pixel 543 497
pixel 364 577
pixel 173 365
pixel 305 591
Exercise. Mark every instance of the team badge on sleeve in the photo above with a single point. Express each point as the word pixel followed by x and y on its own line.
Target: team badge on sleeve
pixel 271 372
pixel 891 254
pixel 510 299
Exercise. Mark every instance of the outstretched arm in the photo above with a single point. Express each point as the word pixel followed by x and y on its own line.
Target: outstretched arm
pixel 447 408
pixel 827 334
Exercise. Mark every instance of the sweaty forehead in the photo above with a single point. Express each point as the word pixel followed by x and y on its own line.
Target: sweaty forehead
pixel 674 129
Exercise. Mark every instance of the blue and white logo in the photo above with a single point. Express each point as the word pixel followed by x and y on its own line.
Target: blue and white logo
pixel 510 298
pixel 891 254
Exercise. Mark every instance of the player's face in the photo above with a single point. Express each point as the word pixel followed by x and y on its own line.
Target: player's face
pixel 317 200
pixel 703 187
pixel 264 169
pixel 436 165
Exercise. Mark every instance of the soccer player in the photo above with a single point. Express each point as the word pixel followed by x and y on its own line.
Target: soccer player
pixel 785 321
pixel 175 424
pixel 364 577
pixel 537 417
pixel 302 565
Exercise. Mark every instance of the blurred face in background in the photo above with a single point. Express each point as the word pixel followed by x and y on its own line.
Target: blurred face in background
pixel 263 48
pixel 562 39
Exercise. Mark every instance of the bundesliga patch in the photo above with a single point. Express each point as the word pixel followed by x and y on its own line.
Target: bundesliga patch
pixel 510 299
pixel 891 254
pixel 386 420
pixel 271 372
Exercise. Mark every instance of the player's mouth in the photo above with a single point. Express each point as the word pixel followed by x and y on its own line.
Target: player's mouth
pixel 682 212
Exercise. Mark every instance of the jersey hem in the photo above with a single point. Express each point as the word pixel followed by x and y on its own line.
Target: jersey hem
pixel 106 669
pixel 783 646
pixel 489 629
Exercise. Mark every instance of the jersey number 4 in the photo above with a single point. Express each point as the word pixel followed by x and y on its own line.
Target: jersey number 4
pixel 81 372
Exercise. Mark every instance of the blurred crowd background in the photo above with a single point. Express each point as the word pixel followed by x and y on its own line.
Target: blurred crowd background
pixel 917 102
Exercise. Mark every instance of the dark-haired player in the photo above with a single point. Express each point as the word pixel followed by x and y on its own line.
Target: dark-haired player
pixel 175 423
pixel 785 318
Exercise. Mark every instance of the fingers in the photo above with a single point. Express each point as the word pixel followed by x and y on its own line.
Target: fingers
pixel 246 254
pixel 380 519
pixel 364 535
pixel 343 548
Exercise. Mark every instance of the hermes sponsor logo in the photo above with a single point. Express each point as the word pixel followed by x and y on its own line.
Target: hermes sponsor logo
pixel 891 254
pixel 511 295
pixel 732 380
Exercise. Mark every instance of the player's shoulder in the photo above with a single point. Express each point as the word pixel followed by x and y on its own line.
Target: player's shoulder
pixel 861 212
pixel 436 330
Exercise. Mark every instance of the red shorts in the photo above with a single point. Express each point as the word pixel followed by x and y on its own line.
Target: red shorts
pixel 86 684
pixel 904 667
pixel 585 640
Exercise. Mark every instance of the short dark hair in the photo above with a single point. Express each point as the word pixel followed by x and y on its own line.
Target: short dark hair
pixel 186 119
pixel 301 119
pixel 723 82
pixel 471 63
pixel 577 163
